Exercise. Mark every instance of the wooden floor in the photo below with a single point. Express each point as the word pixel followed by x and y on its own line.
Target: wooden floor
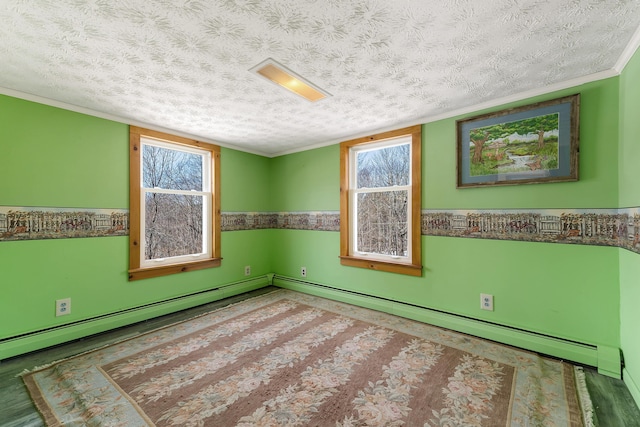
pixel 613 404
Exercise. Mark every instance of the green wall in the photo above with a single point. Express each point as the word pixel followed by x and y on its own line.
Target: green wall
pixel 56 158
pixel 629 159
pixel 244 180
pixel 306 181
pixel 568 291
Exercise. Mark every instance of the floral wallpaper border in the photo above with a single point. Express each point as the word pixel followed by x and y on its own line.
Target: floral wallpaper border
pixel 600 227
pixel 41 223
pixel 320 221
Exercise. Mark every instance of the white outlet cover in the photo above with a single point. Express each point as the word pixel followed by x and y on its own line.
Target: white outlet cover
pixel 63 307
pixel 486 302
pixel 247 270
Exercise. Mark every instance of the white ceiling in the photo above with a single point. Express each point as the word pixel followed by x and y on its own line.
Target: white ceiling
pixel 183 64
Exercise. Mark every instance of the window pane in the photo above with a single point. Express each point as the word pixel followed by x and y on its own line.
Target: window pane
pixel 382 223
pixel 173 225
pixel 384 167
pixel 171 169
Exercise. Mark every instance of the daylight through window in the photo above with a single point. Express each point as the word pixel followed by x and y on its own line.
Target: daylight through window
pixel 177 195
pixel 380 199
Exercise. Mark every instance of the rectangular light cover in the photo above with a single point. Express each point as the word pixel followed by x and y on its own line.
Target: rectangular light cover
pixel 276 73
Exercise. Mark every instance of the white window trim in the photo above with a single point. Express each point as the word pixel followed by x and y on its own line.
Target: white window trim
pixel 206 205
pixel 353 198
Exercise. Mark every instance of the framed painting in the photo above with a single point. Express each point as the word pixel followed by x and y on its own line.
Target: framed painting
pixel 536 143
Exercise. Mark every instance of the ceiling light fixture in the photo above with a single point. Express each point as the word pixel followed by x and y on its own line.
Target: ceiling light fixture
pixel 279 74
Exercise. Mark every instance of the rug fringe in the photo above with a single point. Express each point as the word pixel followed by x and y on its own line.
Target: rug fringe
pixel 39 368
pixel 64 359
pixel 584 398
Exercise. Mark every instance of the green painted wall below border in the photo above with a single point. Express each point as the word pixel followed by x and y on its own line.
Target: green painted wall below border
pixel 566 291
pixel 630 319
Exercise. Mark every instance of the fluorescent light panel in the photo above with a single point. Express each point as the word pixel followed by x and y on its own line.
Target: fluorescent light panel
pixel 279 74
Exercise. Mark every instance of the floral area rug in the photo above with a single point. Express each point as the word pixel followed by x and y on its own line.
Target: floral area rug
pixel 287 358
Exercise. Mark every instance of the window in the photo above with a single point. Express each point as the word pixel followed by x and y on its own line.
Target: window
pixel 380 204
pixel 174 204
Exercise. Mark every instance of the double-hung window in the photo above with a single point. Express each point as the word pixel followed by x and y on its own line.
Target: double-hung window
pixel 174 204
pixel 380 202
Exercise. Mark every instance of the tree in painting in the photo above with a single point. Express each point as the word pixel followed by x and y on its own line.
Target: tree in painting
pixel 479 137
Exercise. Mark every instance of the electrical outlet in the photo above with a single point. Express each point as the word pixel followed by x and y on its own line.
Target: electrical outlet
pixel 63 307
pixel 247 270
pixel 303 271
pixel 486 302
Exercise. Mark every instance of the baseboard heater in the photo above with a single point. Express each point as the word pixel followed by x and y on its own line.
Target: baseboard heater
pixel 38 339
pixel 606 359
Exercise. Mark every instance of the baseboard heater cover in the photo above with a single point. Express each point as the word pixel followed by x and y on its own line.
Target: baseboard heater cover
pixel 574 351
pixel 35 340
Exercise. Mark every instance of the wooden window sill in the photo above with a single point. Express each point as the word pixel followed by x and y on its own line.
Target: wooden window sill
pixel 163 270
pixel 391 267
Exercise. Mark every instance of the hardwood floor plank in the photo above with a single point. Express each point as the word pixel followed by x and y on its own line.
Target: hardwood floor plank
pixel 612 402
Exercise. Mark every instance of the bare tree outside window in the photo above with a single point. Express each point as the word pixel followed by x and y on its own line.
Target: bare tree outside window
pixel 173 220
pixel 381 203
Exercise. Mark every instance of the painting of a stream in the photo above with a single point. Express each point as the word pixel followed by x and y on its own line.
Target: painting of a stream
pixel 530 144
pixel 520 146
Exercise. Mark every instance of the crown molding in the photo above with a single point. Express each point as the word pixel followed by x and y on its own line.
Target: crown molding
pixel 628 52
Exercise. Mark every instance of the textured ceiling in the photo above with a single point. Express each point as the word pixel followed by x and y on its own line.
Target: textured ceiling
pixel 183 64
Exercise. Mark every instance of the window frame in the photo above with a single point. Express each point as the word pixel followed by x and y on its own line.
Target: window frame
pixel 348 257
pixel 136 268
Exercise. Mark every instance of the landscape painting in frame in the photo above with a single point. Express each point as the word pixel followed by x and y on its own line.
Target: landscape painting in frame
pixel 532 144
